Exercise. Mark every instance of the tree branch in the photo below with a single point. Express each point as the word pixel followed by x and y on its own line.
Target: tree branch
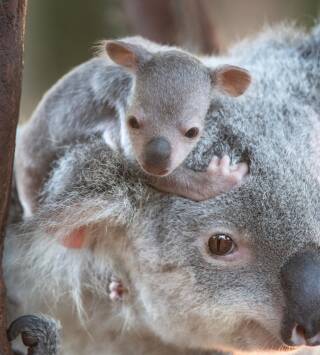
pixel 181 22
pixel 12 23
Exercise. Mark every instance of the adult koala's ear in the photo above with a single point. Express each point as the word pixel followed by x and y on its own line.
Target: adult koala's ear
pixel 231 80
pixel 130 56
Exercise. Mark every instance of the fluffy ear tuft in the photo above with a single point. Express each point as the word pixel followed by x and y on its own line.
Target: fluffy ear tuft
pixel 128 55
pixel 231 80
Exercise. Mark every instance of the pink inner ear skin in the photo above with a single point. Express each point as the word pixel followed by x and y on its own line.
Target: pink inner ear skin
pixel 121 55
pixel 76 239
pixel 235 81
pixel 232 80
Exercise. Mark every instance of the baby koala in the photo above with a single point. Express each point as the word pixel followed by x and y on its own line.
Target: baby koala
pixel 166 113
pixel 149 102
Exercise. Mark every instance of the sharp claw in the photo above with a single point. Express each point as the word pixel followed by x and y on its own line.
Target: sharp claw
pixel 239 176
pixel 113 285
pixel 215 159
pixel 225 160
pixel 214 164
pixel 242 169
pixel 116 289
pixel 225 165
pixel 114 296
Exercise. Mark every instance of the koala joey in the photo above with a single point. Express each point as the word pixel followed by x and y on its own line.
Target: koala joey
pixel 149 103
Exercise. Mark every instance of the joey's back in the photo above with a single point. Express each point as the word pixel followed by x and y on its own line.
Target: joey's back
pixel 81 105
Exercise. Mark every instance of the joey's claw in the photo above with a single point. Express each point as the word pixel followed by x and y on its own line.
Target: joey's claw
pixel 224 175
pixel 116 290
pixel 40 334
pixel 225 164
pixel 215 161
pixel 214 165
pixel 240 170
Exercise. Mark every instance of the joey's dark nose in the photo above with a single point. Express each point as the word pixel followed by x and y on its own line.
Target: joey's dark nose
pixel 157 154
pixel 300 279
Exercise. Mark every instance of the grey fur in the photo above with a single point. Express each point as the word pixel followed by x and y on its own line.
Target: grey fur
pixel 41 334
pixel 179 294
pixel 66 115
pixel 170 93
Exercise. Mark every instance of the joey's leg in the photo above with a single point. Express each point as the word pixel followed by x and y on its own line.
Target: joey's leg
pixel 116 289
pixel 39 333
pixel 219 178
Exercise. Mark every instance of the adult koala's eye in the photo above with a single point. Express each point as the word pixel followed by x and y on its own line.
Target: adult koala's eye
pixel 192 132
pixel 220 244
pixel 133 122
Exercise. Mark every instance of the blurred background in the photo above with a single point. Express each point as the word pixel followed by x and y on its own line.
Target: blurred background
pixel 61 34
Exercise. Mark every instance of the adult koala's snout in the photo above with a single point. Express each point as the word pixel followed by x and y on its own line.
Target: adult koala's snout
pixel 300 279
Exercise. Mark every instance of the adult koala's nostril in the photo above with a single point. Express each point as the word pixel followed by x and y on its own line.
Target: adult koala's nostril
pixel 157 151
pixel 300 337
pixel 300 279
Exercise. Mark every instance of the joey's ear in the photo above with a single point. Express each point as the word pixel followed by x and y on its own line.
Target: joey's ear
pixel 231 80
pixel 128 55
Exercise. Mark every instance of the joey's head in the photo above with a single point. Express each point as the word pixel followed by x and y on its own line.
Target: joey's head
pixel 171 97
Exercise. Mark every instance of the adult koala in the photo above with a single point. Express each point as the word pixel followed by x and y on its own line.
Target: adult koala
pixel 240 272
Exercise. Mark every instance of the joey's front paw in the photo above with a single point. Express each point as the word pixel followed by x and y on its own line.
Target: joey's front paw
pixel 226 176
pixel 116 289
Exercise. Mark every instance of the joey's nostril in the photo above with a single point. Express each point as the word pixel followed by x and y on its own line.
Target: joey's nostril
pixel 157 151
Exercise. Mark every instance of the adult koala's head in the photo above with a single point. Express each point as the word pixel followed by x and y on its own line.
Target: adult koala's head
pixel 257 290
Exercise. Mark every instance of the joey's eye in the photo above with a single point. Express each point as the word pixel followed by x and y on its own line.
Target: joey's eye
pixel 220 244
pixel 192 132
pixel 133 122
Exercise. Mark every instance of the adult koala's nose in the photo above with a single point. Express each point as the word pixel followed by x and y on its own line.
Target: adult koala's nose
pixel 157 154
pixel 300 279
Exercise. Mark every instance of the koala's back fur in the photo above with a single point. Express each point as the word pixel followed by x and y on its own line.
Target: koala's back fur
pixel 176 295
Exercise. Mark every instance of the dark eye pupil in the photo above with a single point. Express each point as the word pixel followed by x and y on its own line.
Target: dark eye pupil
pixel 133 122
pixel 220 244
pixel 192 132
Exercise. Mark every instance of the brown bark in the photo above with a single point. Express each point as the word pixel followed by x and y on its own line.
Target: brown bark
pixel 198 25
pixel 181 22
pixel 152 19
pixel 12 21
